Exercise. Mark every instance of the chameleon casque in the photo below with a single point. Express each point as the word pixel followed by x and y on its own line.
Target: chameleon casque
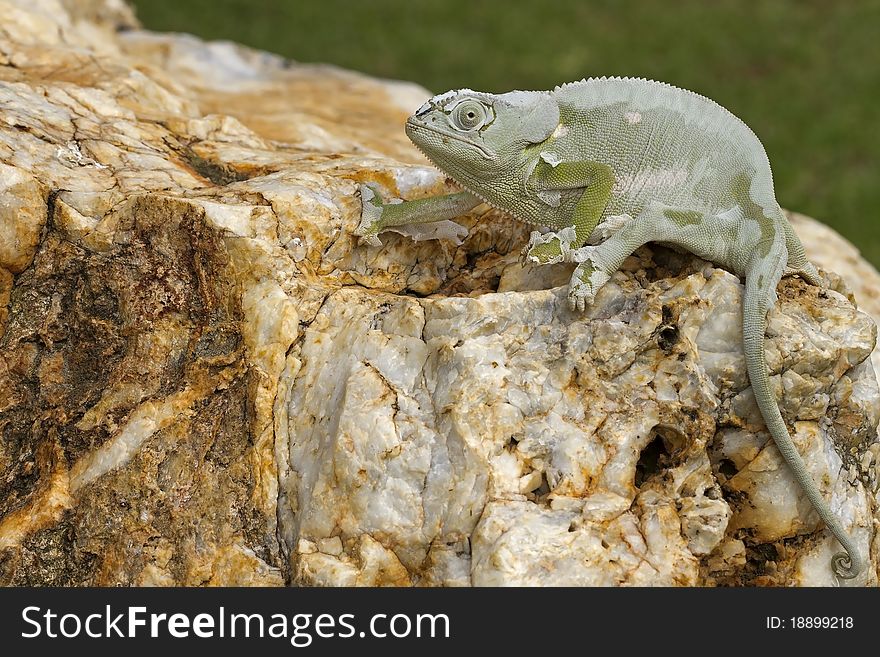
pixel 610 164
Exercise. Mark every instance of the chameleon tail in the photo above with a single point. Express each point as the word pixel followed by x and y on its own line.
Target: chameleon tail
pixel 758 295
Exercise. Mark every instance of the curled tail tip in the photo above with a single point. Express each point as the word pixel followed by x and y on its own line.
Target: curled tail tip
pixel 846 565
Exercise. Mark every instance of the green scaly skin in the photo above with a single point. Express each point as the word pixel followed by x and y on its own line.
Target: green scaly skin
pixel 651 162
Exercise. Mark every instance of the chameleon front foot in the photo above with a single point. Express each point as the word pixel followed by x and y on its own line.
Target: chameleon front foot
pixel 549 248
pixel 542 249
pixel 371 213
pixel 585 281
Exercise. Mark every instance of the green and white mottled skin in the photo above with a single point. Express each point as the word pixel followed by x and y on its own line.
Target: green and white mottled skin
pixel 610 164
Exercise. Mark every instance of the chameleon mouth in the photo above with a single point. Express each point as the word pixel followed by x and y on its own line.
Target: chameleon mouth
pixel 413 125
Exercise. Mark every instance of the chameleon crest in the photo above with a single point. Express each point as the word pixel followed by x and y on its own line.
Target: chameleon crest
pixel 608 165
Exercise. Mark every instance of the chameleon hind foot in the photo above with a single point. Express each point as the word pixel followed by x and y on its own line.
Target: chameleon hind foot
pixel 550 248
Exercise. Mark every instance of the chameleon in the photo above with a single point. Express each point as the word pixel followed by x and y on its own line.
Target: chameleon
pixel 609 164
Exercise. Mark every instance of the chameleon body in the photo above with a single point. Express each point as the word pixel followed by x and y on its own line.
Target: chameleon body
pixel 610 164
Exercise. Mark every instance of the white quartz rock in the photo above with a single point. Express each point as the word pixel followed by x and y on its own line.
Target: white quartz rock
pixel 501 440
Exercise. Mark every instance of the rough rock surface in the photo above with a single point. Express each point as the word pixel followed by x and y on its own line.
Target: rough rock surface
pixel 204 379
pixel 830 251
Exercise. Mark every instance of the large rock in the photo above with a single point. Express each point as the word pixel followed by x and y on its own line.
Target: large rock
pixel 204 379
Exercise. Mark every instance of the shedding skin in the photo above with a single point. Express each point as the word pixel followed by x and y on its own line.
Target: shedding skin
pixel 624 162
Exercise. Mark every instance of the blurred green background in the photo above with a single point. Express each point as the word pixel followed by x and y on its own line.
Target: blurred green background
pixel 804 74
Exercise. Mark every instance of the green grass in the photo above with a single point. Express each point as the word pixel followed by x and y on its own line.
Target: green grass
pixel 805 74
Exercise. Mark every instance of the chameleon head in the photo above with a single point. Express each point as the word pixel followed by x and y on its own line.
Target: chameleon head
pixel 468 130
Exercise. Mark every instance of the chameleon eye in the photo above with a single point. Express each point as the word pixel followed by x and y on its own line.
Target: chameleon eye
pixel 469 115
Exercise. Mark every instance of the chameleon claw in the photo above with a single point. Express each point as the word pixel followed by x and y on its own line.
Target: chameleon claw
pixel 370 240
pixel 526 258
pixel 371 212
pixel 579 296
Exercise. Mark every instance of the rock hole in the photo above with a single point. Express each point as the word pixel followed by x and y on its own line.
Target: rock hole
pixel 727 468
pixel 651 461
pixel 764 553
pixel 667 338
pixel 667 332
pixel 669 261
pixel 544 488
